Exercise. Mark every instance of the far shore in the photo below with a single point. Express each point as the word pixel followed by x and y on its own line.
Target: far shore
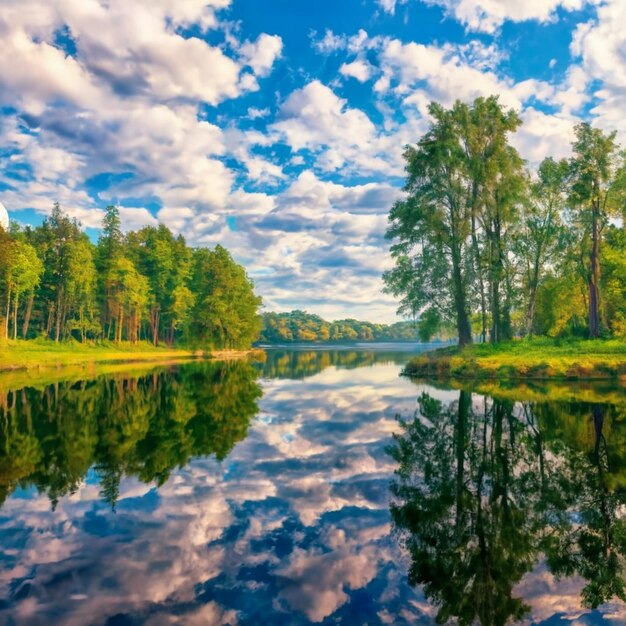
pixel 526 359
pixel 36 355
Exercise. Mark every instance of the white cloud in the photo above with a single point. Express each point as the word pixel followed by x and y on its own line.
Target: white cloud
pixel 601 46
pixel 441 73
pixel 361 70
pixel 262 54
pixel 389 6
pixel 488 15
pixel 329 43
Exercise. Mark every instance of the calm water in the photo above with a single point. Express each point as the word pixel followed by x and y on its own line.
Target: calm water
pixel 276 494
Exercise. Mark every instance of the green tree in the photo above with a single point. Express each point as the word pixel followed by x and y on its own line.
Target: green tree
pixel 598 175
pixel 130 295
pixel 540 239
pixel 226 309
pixel 431 228
pixel 23 276
pixel 464 186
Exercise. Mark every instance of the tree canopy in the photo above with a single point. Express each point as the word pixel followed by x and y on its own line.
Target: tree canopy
pixel 483 243
pixel 142 285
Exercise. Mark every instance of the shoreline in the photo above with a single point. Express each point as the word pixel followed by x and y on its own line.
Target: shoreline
pixel 35 356
pixel 524 360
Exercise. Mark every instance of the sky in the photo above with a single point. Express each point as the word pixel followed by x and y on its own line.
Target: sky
pixel 276 127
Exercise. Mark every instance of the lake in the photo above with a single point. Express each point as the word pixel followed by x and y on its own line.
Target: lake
pixel 276 493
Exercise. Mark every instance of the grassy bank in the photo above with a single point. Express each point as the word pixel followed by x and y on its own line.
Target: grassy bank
pixel 43 354
pixel 534 359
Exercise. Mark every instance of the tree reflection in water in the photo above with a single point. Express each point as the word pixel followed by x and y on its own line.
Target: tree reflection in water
pixel 141 426
pixel 485 488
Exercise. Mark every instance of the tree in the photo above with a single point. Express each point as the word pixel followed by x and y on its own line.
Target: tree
pixel 598 173
pixel 495 184
pixel 23 276
pixel 226 308
pixel 110 246
pixel 464 185
pixel 431 227
pixel 81 289
pixel 540 239
pixel 130 294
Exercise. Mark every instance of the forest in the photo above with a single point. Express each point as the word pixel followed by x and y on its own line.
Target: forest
pixel 145 285
pixel 300 326
pixel 492 248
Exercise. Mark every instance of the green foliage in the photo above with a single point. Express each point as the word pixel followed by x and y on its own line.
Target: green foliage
pixel 451 232
pixel 143 285
pixel 225 311
pixel 479 239
pixel 300 326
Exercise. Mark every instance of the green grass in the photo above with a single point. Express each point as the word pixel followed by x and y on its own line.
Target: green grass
pixel 40 353
pixel 540 358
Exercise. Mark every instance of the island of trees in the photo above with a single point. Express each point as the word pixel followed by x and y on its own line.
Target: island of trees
pixel 486 247
pixel 303 327
pixel 145 285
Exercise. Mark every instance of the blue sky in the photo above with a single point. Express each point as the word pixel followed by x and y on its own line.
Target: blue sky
pixel 276 127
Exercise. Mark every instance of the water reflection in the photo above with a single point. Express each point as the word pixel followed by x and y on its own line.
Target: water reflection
pixel 301 363
pixel 185 497
pixel 484 489
pixel 122 426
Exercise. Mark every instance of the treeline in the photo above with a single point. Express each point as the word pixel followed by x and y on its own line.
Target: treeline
pixel 300 326
pixel 495 251
pixel 142 285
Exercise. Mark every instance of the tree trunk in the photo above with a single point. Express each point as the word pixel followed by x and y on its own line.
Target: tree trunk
pixel 27 314
pixel 15 307
pixel 155 326
pixel 532 295
pixel 481 281
pixel 57 332
pixel 463 324
pixel 594 277
pixel 120 325
pixel 8 313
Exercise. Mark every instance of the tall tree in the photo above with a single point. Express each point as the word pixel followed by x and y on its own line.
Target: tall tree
pixel 539 239
pixel 464 185
pixel 110 249
pixel 226 308
pixel 431 228
pixel 598 180
pixel 496 184
pixel 23 276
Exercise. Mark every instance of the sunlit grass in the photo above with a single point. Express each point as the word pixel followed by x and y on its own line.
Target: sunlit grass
pixel 42 353
pixel 540 358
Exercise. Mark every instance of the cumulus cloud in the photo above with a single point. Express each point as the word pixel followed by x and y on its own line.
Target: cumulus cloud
pixel 361 70
pixel 488 15
pixel 600 44
pixel 261 54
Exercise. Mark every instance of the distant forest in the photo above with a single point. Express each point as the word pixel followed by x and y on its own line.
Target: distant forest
pixel 55 283
pixel 300 326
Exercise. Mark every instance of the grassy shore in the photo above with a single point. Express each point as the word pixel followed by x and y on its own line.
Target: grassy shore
pixel 528 359
pixel 44 354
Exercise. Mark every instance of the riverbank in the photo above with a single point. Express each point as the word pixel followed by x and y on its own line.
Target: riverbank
pixel 528 359
pixel 41 354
